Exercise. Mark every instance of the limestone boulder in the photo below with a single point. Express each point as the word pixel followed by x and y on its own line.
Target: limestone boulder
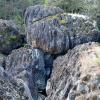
pixel 59 32
pixel 76 75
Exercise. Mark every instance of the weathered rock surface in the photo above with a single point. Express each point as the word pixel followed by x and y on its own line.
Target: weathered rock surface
pixel 27 63
pixel 76 75
pixel 37 12
pixel 11 89
pixel 24 72
pixel 29 69
pixel 58 32
pixel 9 37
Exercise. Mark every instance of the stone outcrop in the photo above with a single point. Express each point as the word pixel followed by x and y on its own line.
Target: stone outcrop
pixel 11 89
pixel 35 72
pixel 24 74
pixel 76 75
pixel 58 32
pixel 27 62
pixel 9 36
pixel 29 67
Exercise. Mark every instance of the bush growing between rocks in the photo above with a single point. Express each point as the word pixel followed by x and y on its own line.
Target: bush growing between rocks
pixel 98 63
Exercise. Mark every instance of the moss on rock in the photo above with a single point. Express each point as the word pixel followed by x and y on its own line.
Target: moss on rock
pixel 9 37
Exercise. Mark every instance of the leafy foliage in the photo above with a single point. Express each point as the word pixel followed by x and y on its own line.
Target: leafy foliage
pixel 98 63
pixel 78 6
pixel 46 2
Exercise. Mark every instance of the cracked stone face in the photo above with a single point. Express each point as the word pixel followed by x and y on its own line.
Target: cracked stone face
pixel 76 75
pixel 57 32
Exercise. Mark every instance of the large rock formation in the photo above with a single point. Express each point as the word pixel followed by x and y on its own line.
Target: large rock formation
pixel 25 66
pixel 57 32
pixel 9 37
pixel 76 75
pixel 25 71
pixel 27 62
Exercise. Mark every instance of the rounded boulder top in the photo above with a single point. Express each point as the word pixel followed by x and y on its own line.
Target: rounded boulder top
pixel 37 12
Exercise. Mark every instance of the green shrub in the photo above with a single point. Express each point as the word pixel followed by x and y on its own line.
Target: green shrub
pixel 46 2
pixel 98 63
pixel 12 38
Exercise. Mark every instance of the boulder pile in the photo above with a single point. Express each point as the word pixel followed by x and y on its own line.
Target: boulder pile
pixel 61 60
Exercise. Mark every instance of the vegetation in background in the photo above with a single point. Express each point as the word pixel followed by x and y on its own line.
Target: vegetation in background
pixel 78 6
pixel 68 5
pixel 46 2
pixel 14 9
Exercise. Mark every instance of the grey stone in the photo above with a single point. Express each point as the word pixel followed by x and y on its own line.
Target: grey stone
pixel 10 38
pixel 58 32
pixel 65 84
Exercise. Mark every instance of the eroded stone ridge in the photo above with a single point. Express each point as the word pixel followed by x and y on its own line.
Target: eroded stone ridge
pixel 29 67
pixel 76 75
pixel 25 66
